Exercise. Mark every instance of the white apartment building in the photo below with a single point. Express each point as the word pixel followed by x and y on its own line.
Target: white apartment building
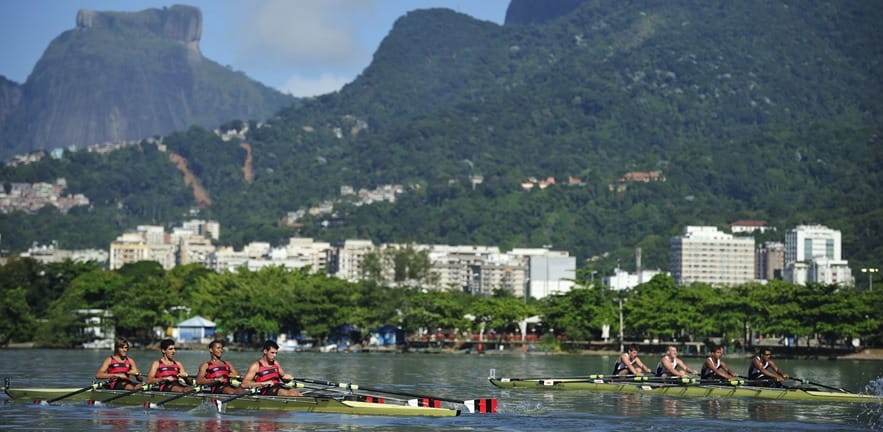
pixel 128 248
pixel 477 269
pixel 550 272
pixel 813 254
pixel 622 280
pixel 705 254
pixel 350 258
pixel 208 229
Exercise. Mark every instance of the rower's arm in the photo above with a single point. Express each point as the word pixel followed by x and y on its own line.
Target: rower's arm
pixel 201 379
pixel 248 380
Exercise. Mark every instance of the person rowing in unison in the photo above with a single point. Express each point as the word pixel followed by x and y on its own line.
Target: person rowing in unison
pixel 629 363
pixel 671 366
pixel 167 373
pixel 216 375
pixel 714 368
pixel 764 368
pixel 267 375
pixel 119 367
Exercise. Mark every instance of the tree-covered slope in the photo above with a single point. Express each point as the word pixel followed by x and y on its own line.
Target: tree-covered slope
pixel 747 109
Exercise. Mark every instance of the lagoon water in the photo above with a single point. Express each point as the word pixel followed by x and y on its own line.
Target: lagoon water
pixel 458 376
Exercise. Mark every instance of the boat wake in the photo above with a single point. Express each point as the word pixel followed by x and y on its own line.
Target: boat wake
pixel 527 407
pixel 875 387
pixel 872 415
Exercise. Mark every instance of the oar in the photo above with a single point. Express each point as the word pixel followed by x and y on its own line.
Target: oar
pixel 473 405
pixel 806 381
pixel 73 393
pixel 122 395
pixel 177 396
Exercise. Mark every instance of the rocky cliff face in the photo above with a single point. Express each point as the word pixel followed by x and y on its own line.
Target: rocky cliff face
pixel 121 76
pixel 10 98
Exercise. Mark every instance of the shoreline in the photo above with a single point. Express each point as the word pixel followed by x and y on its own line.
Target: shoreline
pixel 865 354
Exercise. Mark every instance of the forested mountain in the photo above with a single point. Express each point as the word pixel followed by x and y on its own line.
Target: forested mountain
pixel 122 76
pixel 747 110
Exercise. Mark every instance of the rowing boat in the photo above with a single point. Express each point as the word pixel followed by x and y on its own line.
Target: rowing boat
pixel 673 388
pixel 331 404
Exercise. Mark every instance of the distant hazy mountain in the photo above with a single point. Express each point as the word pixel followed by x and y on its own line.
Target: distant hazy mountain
pixel 122 76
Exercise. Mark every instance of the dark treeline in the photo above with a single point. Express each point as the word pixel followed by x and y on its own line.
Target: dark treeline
pixel 38 303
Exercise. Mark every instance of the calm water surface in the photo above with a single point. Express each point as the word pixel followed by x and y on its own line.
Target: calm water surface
pixel 458 376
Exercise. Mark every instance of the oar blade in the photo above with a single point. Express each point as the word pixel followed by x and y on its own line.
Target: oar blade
pixel 481 406
pixel 219 404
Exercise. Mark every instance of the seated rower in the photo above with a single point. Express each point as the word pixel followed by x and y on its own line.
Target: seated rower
pixel 764 368
pixel 167 373
pixel 629 363
pixel 671 366
pixel 215 375
pixel 714 368
pixel 119 367
pixel 267 375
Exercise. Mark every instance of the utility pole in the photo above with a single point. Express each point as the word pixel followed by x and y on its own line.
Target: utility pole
pixel 621 342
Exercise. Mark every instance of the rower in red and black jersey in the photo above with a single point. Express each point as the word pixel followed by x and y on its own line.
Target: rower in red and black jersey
pixel 267 375
pixel 166 373
pixel 216 375
pixel 119 368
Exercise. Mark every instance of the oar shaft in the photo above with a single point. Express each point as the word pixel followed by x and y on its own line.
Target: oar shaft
pixel 806 381
pixel 122 395
pixel 350 386
pixel 178 396
pixel 84 389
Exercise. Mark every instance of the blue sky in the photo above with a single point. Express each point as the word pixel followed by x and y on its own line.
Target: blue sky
pixel 302 47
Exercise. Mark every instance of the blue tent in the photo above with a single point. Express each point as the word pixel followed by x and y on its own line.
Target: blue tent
pixel 388 335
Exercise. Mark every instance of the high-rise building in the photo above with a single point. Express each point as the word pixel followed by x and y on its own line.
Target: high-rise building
pixel 769 263
pixel 704 254
pixel 813 254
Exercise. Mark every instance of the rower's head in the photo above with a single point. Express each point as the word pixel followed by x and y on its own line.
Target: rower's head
pixel 167 346
pixel 121 346
pixel 633 350
pixel 717 352
pixel 672 351
pixel 270 350
pixel 216 348
pixel 765 353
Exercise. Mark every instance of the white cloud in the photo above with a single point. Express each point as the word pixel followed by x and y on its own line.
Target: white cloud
pixel 312 34
pixel 305 87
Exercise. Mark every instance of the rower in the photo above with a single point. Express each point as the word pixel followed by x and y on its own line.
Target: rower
pixel 167 373
pixel 671 366
pixel 714 368
pixel 215 375
pixel 764 368
pixel 119 367
pixel 629 363
pixel 267 375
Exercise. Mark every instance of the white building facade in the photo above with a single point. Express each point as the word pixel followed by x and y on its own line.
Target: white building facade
pixel 705 254
pixel 813 254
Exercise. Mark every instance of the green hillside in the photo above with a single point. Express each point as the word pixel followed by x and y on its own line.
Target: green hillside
pixel 749 110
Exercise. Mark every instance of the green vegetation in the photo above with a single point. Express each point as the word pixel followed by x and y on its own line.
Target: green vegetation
pixel 743 119
pixel 254 305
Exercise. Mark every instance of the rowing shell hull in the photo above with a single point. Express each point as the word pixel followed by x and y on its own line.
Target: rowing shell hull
pixel 683 390
pixel 327 405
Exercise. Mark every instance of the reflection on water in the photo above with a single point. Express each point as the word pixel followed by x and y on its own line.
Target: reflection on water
pixel 452 376
pixel 767 411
